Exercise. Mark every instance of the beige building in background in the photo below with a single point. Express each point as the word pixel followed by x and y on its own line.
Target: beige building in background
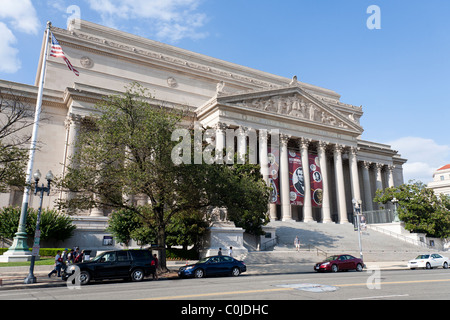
pixel 441 181
pixel 221 95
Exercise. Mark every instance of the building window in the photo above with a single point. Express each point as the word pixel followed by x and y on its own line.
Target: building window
pixel 442 178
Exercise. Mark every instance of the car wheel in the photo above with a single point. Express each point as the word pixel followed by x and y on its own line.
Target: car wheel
pixel 137 275
pixel 85 277
pixel 199 273
pixel 359 267
pixel 428 266
pixel 235 272
pixel 334 268
pixel 445 266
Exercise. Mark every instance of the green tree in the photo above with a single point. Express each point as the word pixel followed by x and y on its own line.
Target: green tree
pixel 53 225
pixel 14 139
pixel 127 151
pixel 419 208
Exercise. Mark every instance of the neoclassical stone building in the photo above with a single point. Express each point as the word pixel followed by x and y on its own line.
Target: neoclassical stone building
pixel 305 138
pixel 441 181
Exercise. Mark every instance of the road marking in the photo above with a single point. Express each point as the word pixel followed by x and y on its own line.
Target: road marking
pixel 393 282
pixel 381 297
pixel 205 295
pixel 218 294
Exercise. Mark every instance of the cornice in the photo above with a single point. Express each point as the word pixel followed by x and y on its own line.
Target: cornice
pixel 106 41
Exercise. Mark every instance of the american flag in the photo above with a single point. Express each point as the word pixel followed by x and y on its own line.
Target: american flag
pixel 58 52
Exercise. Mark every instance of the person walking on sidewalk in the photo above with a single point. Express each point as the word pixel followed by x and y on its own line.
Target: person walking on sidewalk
pixel 297 243
pixel 58 265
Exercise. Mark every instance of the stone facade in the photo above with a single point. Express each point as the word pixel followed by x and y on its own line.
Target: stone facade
pixel 441 181
pixel 306 119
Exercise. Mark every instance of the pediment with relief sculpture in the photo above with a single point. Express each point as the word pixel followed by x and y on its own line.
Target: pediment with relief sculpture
pixel 292 102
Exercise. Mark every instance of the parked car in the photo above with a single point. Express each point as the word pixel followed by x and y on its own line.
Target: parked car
pixel 126 264
pixel 339 263
pixel 212 266
pixel 429 261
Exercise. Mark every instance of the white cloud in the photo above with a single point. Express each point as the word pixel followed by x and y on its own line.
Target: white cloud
pixel 170 20
pixel 15 15
pixel 9 62
pixel 21 14
pixel 424 157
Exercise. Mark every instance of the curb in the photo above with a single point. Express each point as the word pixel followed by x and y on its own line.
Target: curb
pixel 14 280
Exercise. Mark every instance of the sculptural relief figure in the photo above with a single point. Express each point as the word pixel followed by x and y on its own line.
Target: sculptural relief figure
pixel 295 106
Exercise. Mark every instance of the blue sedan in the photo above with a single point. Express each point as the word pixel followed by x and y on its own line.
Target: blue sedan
pixel 212 266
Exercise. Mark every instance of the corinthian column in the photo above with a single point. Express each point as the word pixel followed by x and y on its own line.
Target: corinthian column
pixel 367 189
pixel 286 213
pixel 391 183
pixel 340 185
pixel 356 192
pixel 220 142
pixel 307 205
pixel 72 125
pixel 326 212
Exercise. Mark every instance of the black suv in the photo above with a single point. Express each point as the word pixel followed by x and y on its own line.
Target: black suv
pixel 126 264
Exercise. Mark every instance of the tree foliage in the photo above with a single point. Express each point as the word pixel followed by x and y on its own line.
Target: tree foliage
pixel 53 226
pixel 420 208
pixel 14 119
pixel 127 151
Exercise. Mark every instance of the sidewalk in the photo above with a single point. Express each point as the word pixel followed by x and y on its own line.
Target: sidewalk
pixel 12 278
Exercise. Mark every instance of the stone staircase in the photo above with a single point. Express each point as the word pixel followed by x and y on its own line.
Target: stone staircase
pixel 319 240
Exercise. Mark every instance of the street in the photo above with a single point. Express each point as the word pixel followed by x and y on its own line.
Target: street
pixel 366 285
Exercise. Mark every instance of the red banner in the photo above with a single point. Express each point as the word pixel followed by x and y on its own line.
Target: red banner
pixel 296 179
pixel 316 181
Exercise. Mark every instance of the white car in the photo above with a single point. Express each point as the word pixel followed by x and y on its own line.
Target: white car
pixel 429 261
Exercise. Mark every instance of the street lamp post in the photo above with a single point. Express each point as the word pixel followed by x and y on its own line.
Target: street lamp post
pixel 396 218
pixel 357 210
pixel 37 236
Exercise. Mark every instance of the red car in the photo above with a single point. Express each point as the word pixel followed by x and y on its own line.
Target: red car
pixel 340 262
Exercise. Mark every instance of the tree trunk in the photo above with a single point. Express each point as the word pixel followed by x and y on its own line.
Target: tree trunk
pixel 161 238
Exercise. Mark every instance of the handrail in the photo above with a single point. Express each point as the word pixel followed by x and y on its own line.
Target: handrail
pixel 273 242
pixel 400 237
pixel 317 250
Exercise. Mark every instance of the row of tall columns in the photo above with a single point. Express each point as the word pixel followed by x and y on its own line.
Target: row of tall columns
pixel 340 186
pixel 73 124
pixel 73 127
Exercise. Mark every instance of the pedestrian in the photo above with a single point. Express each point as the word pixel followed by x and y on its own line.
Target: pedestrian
pixel 297 243
pixel 76 253
pixel 155 263
pixel 70 256
pixel 57 266
pixel 230 252
pixel 220 252
pixel 64 257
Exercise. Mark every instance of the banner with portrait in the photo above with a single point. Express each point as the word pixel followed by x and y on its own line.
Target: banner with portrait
pixel 296 179
pixel 274 177
pixel 316 181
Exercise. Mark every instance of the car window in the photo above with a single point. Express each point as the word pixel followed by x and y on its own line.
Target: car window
pixel 227 259
pixel 438 256
pixel 332 258
pixel 423 256
pixel 108 257
pixel 350 257
pixel 141 254
pixel 214 260
pixel 342 258
pixel 122 256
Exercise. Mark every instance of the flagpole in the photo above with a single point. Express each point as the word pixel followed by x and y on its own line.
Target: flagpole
pixel 19 246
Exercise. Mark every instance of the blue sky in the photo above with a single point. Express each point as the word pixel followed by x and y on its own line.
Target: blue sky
pixel 400 73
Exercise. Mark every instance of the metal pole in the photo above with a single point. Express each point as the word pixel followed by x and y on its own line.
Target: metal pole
pixel 20 246
pixel 358 218
pixel 37 237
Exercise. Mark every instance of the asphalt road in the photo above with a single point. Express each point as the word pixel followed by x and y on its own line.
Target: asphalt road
pixel 367 285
